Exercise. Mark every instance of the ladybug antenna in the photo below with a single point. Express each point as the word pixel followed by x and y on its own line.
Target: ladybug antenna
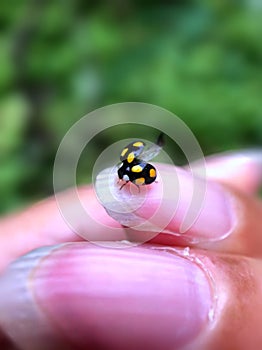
pixel 160 140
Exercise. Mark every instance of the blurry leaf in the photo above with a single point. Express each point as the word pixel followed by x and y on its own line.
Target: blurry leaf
pixel 6 66
pixel 13 119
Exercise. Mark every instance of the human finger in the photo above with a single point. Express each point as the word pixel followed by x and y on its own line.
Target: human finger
pixel 240 169
pixel 79 296
pixel 44 224
pixel 225 219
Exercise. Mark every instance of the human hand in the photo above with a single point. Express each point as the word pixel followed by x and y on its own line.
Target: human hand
pixel 158 295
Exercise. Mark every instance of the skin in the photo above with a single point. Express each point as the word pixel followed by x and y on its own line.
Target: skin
pixel 75 294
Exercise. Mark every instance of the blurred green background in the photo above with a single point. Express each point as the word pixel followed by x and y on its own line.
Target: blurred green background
pixel 59 60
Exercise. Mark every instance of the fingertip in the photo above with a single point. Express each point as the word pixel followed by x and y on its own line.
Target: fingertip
pixel 178 204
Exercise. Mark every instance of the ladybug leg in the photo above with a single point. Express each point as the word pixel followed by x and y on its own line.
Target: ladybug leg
pixel 138 188
pixel 123 185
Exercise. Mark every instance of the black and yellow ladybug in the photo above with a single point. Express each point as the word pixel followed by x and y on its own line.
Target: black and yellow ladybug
pixel 136 170
pixel 139 173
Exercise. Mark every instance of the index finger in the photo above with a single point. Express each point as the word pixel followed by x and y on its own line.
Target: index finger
pixel 43 223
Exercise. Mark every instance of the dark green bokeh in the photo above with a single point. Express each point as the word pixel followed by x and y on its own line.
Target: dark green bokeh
pixel 59 60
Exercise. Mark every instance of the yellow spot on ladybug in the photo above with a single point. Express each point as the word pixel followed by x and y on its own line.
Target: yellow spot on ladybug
pixel 136 169
pixel 130 157
pixel 138 144
pixel 124 152
pixel 152 173
pixel 140 181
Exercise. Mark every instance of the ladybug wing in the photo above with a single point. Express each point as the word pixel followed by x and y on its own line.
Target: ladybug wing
pixel 154 150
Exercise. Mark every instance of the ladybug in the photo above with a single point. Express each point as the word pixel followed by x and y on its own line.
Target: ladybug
pixel 137 170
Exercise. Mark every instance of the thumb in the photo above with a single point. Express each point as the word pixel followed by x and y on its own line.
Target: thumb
pixel 79 296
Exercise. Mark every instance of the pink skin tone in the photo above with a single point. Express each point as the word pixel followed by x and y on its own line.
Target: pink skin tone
pixel 156 296
pixel 171 204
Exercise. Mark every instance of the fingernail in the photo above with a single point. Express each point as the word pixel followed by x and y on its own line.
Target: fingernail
pixel 137 298
pixel 178 204
pixel 124 298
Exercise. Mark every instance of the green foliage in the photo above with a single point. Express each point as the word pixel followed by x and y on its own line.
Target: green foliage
pixel 61 60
